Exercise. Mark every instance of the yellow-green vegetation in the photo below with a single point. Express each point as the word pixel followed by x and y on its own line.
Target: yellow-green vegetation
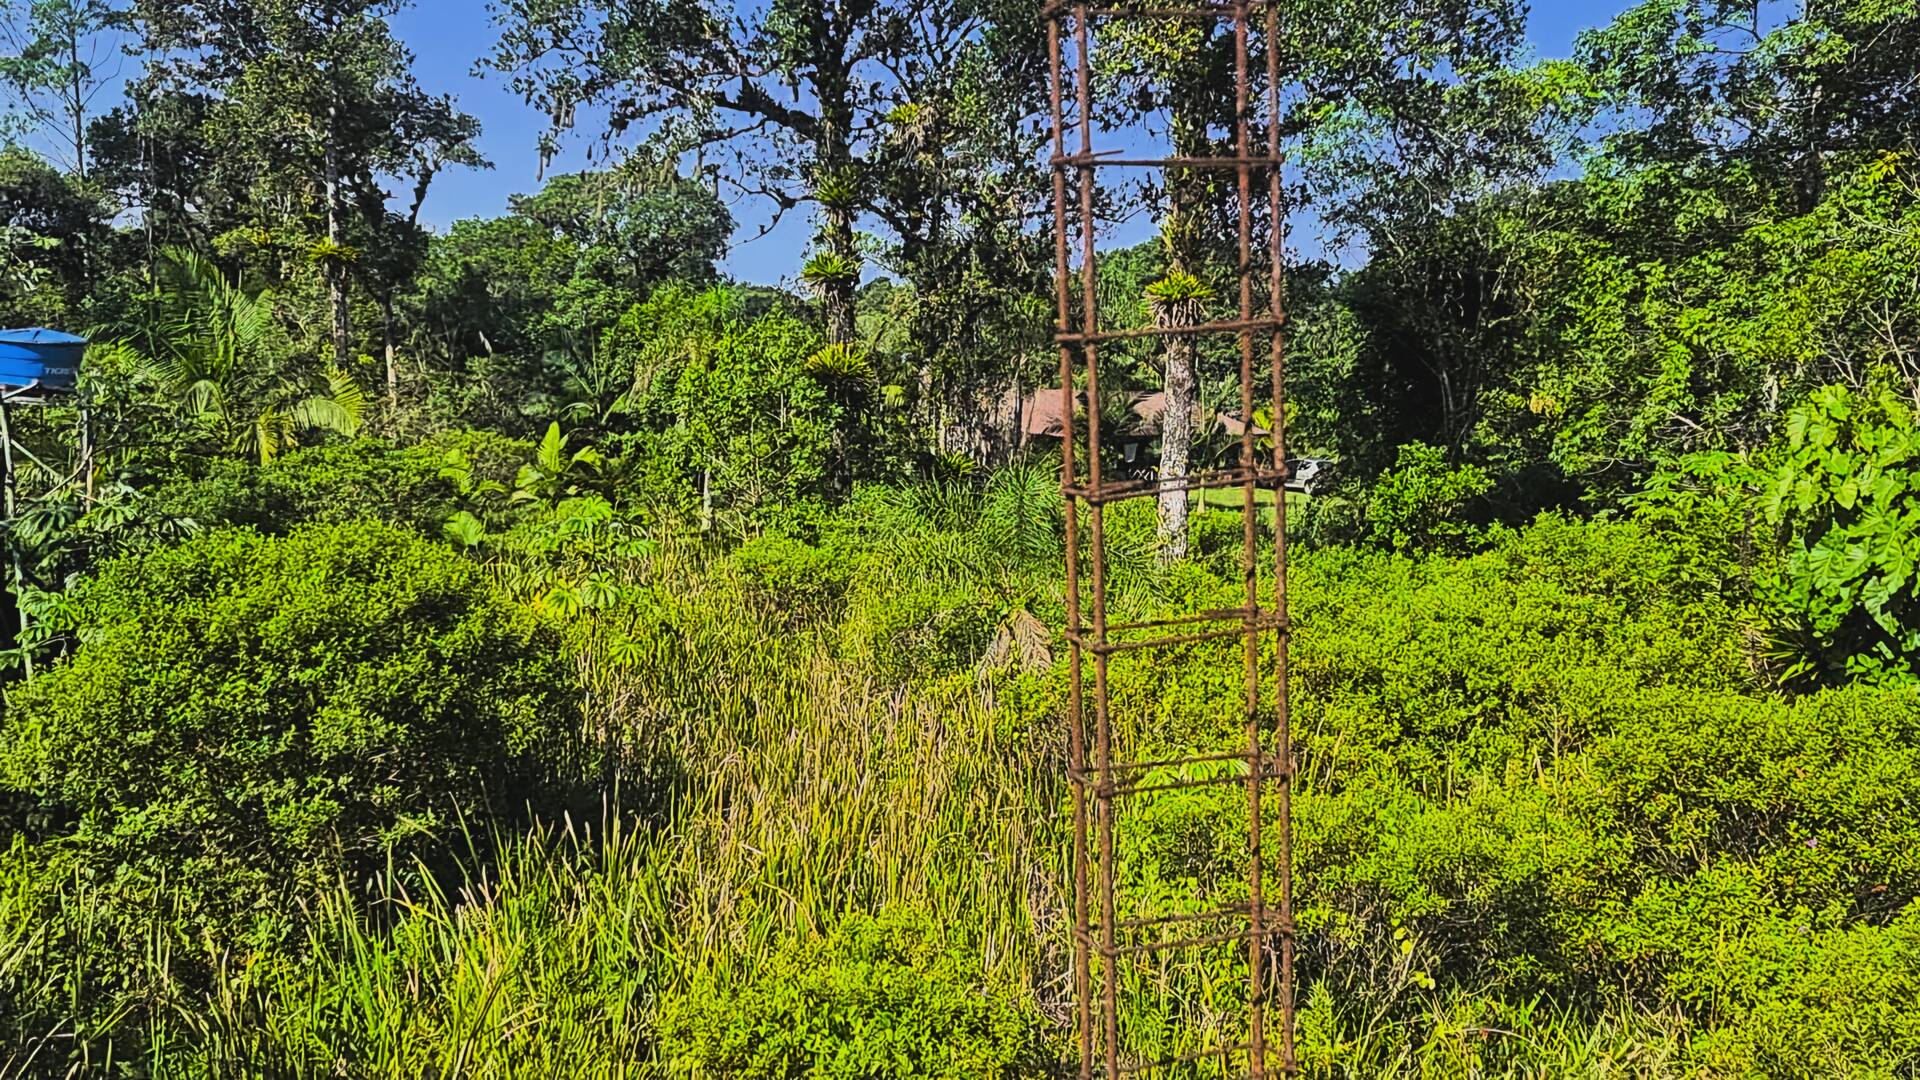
pixel 1550 823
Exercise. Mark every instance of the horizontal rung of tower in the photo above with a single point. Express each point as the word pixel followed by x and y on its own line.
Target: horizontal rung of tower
pixel 1119 791
pixel 1195 942
pixel 1105 158
pixel 1127 770
pixel 1267 478
pixel 1134 767
pixel 1256 624
pixel 1230 326
pixel 1231 911
pixel 1111 11
pixel 1209 1054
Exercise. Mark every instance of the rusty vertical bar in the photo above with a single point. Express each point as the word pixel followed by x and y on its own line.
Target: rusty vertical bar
pixel 1076 705
pixel 1283 729
pixel 1102 721
pixel 1250 517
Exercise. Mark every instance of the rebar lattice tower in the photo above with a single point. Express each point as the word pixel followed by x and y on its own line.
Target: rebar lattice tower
pixel 1112 929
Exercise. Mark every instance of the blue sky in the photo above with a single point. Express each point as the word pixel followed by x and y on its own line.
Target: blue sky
pixel 450 35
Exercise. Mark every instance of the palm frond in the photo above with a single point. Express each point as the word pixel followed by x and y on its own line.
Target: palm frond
pixel 270 433
pixel 347 392
pixel 551 457
pixel 323 412
pixel 464 529
pixel 1022 511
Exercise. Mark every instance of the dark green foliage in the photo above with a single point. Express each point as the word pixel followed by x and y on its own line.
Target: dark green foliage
pixel 918 629
pixel 1835 1004
pixel 749 407
pixel 250 716
pixel 342 482
pixel 53 232
pixel 1846 492
pixel 1817 529
pixel 876 998
pixel 1214 537
pixel 1695 853
pixel 512 308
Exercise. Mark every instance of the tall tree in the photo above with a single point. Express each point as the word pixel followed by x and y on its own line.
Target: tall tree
pixel 1434 136
pixel 59 57
pixel 151 152
pixel 318 101
pixel 1781 87
pixel 51 224
pixel 1393 112
pixel 962 200
pixel 1180 73
pixel 805 96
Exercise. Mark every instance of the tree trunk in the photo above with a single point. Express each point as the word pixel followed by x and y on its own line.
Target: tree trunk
pixel 836 294
pixel 393 360
pixel 833 156
pixel 336 266
pixel 77 103
pixel 1176 436
pixel 1181 238
pixel 1180 377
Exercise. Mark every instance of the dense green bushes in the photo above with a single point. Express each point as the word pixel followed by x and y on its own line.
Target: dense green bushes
pixel 1544 788
pixel 250 717
pixel 340 482
pixel 876 997
pixel 1548 772
pixel 1672 856
pixel 794 581
pixel 1627 795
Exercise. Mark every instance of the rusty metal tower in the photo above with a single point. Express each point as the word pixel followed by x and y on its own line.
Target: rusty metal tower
pixel 1254 1035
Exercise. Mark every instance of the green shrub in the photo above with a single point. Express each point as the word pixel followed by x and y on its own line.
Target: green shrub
pixel 1729 812
pixel 1215 538
pixel 1327 518
pixel 1838 1003
pixel 1443 666
pixel 876 998
pixel 916 629
pixel 1420 504
pixel 797 582
pixel 250 717
pixel 1820 529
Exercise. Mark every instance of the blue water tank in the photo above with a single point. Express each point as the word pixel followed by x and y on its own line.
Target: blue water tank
pixel 38 355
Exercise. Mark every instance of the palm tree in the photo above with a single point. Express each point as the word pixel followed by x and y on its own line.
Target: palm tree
pixel 214 348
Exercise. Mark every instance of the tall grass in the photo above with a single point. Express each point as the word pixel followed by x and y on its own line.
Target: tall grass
pixel 783 790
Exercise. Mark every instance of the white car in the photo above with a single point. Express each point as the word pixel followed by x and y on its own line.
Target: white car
pixel 1306 474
